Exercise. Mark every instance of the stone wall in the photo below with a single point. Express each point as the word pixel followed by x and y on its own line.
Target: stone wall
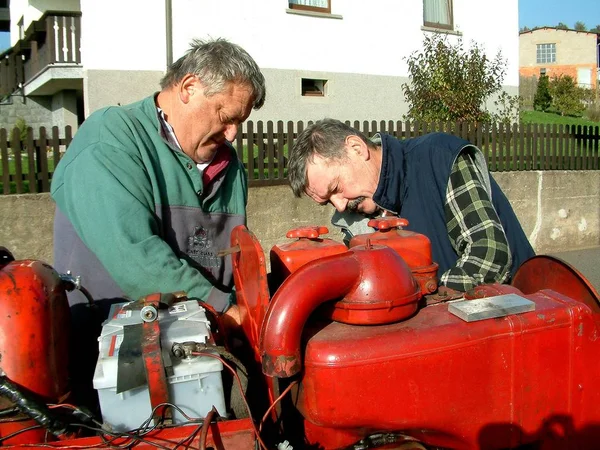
pixel 559 210
pixel 36 111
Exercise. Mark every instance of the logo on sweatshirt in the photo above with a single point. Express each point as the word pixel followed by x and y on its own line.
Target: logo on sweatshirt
pixel 200 248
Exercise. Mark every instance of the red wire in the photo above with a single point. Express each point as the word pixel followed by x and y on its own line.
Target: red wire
pixel 237 378
pixel 277 400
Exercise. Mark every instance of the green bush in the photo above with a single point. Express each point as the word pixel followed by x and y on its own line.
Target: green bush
pixel 449 82
pixel 592 112
pixel 567 97
pixel 542 99
pixel 508 109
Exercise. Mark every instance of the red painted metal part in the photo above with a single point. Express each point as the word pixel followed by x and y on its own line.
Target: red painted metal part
pixel 376 286
pixel 413 247
pixel 287 258
pixel 228 435
pixel 252 291
pixel 547 272
pixel 495 383
pixel 251 287
pixel 158 387
pixel 34 318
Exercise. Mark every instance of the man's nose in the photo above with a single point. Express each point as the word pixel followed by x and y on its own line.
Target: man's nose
pixel 339 203
pixel 231 132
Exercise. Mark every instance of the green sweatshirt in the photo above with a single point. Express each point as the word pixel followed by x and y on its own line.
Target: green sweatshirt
pixel 133 216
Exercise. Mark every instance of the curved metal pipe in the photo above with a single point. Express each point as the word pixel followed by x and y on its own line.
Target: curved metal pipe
pixel 313 284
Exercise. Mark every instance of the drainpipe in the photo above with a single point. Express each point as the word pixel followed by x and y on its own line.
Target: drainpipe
pixel 169 30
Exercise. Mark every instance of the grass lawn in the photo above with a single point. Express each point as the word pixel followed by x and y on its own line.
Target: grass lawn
pixel 551 118
pixel 25 172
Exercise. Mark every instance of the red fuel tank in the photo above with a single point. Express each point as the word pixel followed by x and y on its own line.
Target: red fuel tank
pixel 413 247
pixel 34 324
pixel 308 246
pixel 495 383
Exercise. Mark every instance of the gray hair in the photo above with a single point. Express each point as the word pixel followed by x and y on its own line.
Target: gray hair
pixel 326 138
pixel 215 63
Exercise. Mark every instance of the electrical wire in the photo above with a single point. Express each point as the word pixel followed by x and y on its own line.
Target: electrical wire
pixel 16 433
pixel 204 431
pixel 237 378
pixel 277 400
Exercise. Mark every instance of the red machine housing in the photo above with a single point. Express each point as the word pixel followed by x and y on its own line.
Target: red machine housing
pixel 414 248
pixel 33 337
pixel 495 383
pixel 309 245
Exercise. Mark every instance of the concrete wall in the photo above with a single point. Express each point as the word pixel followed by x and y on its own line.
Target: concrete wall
pixel 559 210
pixel 112 87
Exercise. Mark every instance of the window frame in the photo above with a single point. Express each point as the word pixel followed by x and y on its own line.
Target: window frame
pixel 439 25
pixel 548 50
pixel 321 90
pixel 299 7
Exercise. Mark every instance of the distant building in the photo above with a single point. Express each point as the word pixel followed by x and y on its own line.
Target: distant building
pixel 555 52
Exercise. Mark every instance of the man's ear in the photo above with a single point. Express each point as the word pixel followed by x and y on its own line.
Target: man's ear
pixel 188 87
pixel 357 146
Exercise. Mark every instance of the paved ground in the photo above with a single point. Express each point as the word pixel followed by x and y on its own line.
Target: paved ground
pixel 586 261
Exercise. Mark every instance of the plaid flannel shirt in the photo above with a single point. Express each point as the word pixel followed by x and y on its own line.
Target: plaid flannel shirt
pixel 474 229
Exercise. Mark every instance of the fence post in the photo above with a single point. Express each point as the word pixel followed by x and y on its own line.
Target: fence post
pixel 4 155
pixel 16 148
pixel 280 151
pixel 31 163
pixel 43 156
pixel 250 149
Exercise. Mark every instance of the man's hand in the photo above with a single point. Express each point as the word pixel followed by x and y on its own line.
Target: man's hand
pixel 231 320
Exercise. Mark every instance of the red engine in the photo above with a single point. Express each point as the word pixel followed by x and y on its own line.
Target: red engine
pixel 362 352
pixel 33 341
pixel 498 383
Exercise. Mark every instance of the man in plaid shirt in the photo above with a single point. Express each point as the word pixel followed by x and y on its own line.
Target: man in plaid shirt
pixel 438 182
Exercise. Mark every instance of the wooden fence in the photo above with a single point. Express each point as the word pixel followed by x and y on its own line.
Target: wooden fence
pixel 27 165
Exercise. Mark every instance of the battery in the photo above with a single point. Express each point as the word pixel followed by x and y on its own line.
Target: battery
pixel 195 385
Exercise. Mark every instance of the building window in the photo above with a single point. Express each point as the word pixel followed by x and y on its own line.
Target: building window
pixel 546 53
pixel 438 14
pixel 313 88
pixel 323 6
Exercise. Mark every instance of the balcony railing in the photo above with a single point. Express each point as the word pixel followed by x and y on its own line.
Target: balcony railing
pixel 53 40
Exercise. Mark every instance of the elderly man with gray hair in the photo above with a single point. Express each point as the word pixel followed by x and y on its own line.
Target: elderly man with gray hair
pixel 147 194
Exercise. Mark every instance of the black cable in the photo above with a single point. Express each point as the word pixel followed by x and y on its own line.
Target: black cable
pixel 30 405
pixel 23 430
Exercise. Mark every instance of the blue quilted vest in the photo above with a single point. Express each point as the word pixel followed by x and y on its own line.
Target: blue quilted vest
pixel 413 182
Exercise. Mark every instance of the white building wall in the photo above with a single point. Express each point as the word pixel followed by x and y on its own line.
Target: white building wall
pixel 361 49
pixel 123 34
pixel 370 38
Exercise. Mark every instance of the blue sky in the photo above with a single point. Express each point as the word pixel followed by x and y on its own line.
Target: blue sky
pixel 538 13
pixel 4 41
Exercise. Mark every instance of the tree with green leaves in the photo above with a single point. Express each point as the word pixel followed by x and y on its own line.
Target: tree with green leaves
pixel 580 26
pixel 542 98
pixel 562 26
pixel 567 97
pixel 524 29
pixel 596 29
pixel 449 82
